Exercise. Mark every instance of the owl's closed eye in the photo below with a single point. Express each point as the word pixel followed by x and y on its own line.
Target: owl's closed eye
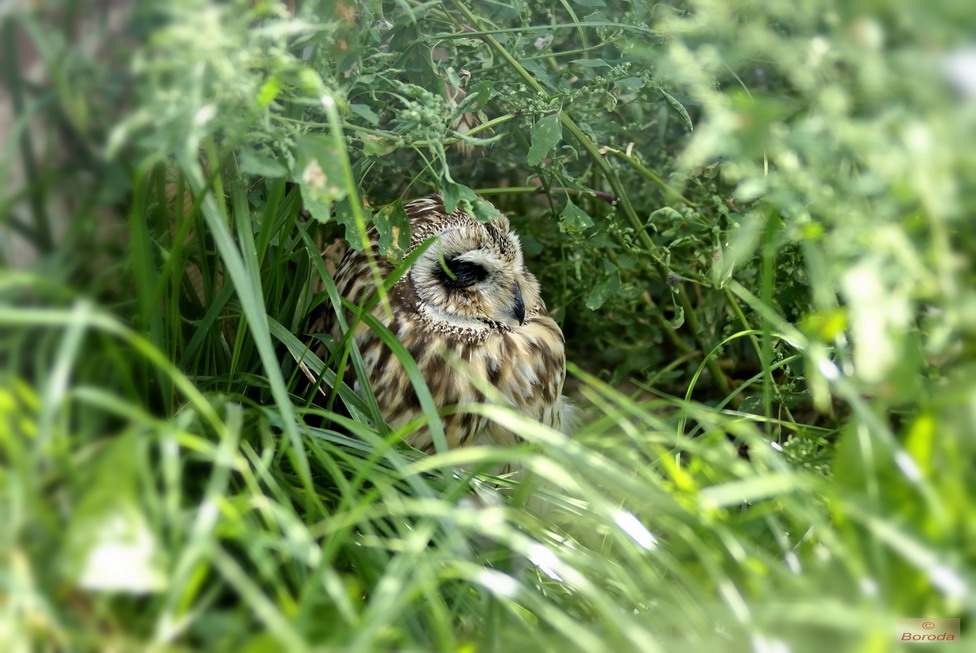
pixel 462 274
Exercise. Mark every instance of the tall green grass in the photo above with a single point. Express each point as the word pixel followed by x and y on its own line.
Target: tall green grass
pixel 772 327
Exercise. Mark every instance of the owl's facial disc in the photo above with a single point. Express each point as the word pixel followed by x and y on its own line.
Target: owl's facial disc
pixel 473 278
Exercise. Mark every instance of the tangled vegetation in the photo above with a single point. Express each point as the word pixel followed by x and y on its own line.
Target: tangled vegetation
pixel 753 221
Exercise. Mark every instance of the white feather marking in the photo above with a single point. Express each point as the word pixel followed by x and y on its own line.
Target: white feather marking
pixel 435 314
pixel 527 373
pixel 569 416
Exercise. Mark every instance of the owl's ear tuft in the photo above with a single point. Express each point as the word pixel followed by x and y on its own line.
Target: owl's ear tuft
pixel 502 224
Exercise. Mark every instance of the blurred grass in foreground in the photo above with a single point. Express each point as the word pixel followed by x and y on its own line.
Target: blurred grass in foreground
pixel 794 190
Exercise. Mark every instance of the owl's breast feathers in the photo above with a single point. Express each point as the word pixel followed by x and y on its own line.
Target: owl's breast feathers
pixel 526 365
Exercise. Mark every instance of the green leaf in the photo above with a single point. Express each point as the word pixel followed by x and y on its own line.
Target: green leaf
pixel 679 318
pixel 110 544
pixel 365 112
pixel 546 133
pixel 573 218
pixel 755 118
pixel 345 217
pixel 458 195
pixel 484 91
pixel 393 227
pixel 679 109
pixel 542 74
pixel 455 195
pixel 255 162
pixel 591 63
pixel 630 84
pixel 663 216
pixel 603 291
pixel 319 174
pixel 749 490
pixel 451 193
pixel 485 211
pixel 377 145
pixel 269 91
pixel 739 249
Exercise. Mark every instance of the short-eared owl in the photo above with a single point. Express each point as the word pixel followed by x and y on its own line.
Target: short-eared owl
pixel 487 312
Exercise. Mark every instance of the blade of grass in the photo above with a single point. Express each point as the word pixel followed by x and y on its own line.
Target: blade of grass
pixel 252 302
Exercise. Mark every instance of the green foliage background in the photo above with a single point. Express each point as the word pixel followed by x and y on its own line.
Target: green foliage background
pixel 753 221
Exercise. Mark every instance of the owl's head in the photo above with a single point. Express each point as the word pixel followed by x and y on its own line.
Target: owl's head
pixel 472 276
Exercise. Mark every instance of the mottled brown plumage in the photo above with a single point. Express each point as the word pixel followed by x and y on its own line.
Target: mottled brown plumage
pixel 489 315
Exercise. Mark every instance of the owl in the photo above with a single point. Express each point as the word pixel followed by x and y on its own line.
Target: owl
pixel 468 297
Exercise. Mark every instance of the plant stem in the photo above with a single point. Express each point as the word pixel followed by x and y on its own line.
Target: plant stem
pixel 548 55
pixel 528 190
pixel 768 277
pixel 42 235
pixel 651 175
pixel 535 28
pixel 690 315
pixel 444 141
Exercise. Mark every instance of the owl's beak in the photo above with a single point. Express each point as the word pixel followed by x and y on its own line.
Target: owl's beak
pixel 518 308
